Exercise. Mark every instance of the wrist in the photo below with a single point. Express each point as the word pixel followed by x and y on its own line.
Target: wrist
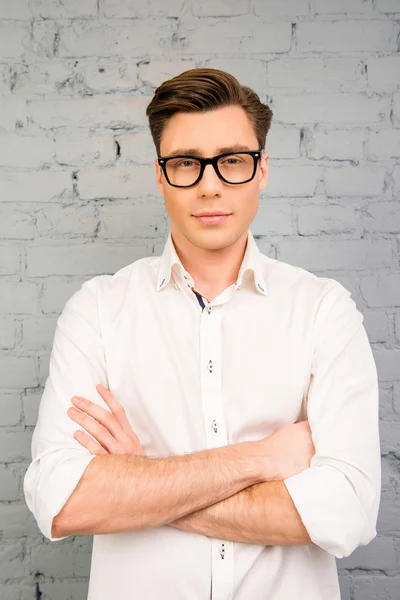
pixel 264 462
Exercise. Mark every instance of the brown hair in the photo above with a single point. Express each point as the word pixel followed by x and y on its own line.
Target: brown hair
pixel 201 90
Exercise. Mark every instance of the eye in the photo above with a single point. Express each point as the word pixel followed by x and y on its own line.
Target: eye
pixel 232 160
pixel 186 163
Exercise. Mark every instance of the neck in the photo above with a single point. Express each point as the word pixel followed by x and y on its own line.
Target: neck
pixel 212 270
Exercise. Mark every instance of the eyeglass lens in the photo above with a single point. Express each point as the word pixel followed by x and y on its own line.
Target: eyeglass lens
pixel 235 168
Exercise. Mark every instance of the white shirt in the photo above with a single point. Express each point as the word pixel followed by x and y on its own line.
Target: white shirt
pixel 278 346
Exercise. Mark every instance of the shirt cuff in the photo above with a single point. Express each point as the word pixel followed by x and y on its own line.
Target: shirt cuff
pixel 48 484
pixel 330 510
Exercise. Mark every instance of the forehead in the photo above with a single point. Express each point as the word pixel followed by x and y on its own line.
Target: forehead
pixel 208 131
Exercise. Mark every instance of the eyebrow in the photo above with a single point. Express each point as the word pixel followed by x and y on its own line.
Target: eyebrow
pixel 197 151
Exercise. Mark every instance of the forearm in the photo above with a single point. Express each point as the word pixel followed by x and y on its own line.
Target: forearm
pixel 260 514
pixel 125 492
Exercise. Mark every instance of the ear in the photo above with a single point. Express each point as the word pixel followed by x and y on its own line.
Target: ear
pixel 263 171
pixel 159 177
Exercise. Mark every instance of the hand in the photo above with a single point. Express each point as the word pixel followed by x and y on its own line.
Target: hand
pixel 111 431
pixel 288 450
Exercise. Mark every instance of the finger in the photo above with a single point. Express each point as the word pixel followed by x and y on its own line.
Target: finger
pixel 118 411
pixel 88 442
pixel 96 430
pixel 101 415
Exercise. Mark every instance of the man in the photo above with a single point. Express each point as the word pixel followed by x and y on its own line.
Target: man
pixel 234 451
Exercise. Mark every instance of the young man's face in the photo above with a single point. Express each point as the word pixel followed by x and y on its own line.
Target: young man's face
pixel 209 132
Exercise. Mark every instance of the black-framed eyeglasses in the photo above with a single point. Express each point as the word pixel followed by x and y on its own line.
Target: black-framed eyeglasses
pixel 184 171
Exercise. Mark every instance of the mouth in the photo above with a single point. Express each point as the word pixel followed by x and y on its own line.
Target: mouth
pixel 212 219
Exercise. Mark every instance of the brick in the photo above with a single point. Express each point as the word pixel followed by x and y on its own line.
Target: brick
pixel 377 588
pixel 294 181
pixel 82 259
pixel 330 108
pixel 10 591
pixel 48 9
pixel 105 75
pixel 274 218
pixel 10 409
pixel 383 72
pixel 382 217
pixel 137 148
pixel 12 114
pixel 137 38
pixel 274 10
pixel 340 144
pixel 345 584
pixel 386 409
pixel 13 563
pixel 74 221
pixel 154 72
pixel 343 6
pixel 382 289
pixel 18 297
pixel 397 327
pixel 125 221
pixel 56 294
pixel 387 362
pixel 283 142
pixel 10 260
pixel 39 186
pixel 16 521
pixel 388 6
pixel 16 223
pixel 173 8
pixel 317 74
pixel 38 333
pixel 316 220
pixel 347 36
pixel 18 150
pixel 56 559
pixel 15 10
pixel 132 182
pixel 384 144
pixel 78 151
pixel 390 435
pixel 396 178
pixel 396 393
pixel 390 481
pixel 354 181
pixel 15 446
pixel 64 590
pixel 380 554
pixel 17 372
pixel 93 112
pixel 7 333
pixel 12 38
pixel 122 9
pixel 324 256
pixel 377 326
pixel 9 489
pixel 220 8
pixel 31 403
pixel 226 38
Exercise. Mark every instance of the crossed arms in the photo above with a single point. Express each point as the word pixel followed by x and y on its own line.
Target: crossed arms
pixel 333 502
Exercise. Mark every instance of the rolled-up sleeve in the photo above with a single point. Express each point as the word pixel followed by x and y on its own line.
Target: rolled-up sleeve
pixel 77 365
pixel 338 496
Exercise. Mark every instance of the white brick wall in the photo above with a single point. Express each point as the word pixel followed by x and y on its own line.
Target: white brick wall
pixel 75 78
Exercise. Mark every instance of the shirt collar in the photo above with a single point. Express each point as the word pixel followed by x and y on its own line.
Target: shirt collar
pixel 251 263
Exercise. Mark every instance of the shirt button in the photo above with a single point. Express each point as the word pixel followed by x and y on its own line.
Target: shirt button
pixel 209 309
pixel 214 426
pixel 222 551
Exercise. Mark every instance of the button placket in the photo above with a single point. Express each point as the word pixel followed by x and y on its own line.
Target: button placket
pixel 216 434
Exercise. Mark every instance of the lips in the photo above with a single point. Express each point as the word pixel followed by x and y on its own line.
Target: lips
pixel 213 219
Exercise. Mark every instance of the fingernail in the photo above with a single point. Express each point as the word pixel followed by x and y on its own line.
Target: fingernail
pixel 77 400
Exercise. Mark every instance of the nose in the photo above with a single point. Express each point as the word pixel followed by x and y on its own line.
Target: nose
pixel 210 184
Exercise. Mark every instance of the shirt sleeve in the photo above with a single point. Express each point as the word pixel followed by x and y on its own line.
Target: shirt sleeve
pixel 77 365
pixel 338 496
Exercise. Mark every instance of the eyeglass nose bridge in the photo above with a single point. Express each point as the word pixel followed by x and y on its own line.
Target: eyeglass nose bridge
pixel 209 161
